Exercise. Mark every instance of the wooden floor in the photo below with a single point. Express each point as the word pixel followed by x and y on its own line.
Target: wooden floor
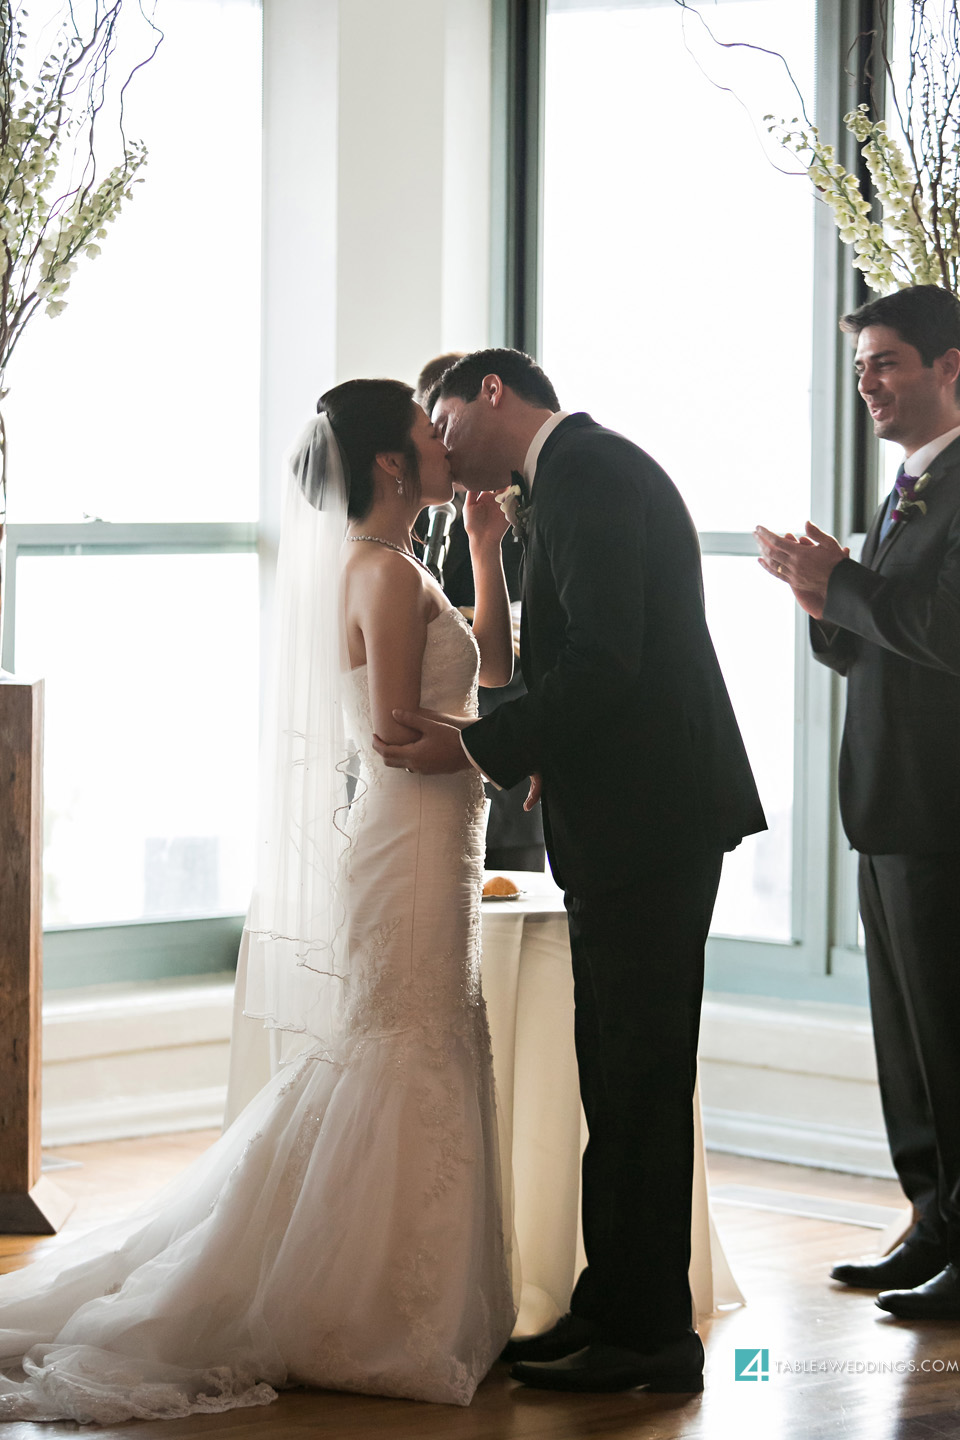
pixel 794 1312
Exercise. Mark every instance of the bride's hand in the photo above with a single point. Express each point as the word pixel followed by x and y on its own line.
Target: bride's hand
pixel 483 520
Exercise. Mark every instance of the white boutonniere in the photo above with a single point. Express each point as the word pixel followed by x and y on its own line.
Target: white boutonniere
pixel 513 507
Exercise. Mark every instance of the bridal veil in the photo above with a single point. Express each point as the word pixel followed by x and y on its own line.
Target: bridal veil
pixel 297 968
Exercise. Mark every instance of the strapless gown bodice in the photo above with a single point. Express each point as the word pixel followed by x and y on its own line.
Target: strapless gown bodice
pixel 448 681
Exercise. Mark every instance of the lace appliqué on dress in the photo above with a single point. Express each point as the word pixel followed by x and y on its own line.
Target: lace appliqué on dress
pixel 102 1393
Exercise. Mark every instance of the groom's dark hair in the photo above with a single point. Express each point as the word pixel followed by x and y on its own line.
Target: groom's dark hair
pixel 520 372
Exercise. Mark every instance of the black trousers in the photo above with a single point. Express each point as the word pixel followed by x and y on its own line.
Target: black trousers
pixel 910 906
pixel 638 987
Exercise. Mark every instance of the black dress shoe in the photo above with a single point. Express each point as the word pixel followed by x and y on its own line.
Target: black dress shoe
pixel 905 1267
pixel 570 1333
pixel 676 1369
pixel 938 1299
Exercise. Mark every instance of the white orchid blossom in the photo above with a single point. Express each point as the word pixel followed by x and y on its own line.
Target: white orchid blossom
pixel 509 502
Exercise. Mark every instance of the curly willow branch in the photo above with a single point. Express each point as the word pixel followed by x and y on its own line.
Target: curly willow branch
pixel 916 173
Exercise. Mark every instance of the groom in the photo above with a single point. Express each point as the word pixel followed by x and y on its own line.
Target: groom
pixel 628 729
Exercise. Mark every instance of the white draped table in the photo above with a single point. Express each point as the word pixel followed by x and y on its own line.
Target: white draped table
pixel 528 986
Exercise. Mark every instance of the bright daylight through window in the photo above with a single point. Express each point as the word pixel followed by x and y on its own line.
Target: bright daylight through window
pixel 677 304
pixel 142 410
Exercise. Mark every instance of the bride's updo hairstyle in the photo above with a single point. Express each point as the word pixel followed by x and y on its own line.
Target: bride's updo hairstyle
pixel 370 417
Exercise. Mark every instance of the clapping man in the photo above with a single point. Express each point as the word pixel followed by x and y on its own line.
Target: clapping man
pixel 891 625
pixel 628 730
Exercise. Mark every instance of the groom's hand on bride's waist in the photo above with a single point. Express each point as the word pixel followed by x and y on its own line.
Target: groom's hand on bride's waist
pixel 438 751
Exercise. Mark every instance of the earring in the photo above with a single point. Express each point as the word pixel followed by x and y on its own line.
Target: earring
pixel 400 486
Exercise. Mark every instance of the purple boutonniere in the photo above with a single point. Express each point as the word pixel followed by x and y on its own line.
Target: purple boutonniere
pixel 908 489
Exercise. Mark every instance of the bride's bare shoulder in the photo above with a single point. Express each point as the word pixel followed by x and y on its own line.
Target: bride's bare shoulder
pixel 374 574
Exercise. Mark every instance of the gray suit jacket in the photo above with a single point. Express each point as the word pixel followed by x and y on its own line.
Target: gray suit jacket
pixel 892 627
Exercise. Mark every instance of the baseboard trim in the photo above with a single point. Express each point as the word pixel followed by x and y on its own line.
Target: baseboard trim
pixel 106 1048
pixel 122 1118
pixel 108 1020
pixel 798 1142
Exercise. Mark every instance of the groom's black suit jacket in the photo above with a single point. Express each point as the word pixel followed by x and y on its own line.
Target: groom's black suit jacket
pixel 899 647
pixel 627 716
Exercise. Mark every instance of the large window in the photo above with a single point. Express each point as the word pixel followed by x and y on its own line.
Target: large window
pixel 680 286
pixel 666 237
pixel 140 402
pixel 151 701
pixel 134 474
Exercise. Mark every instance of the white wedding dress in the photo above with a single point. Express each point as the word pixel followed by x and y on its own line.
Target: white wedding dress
pixel 346 1231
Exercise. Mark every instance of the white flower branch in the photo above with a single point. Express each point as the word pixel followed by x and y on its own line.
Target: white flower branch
pixel 53 209
pixel 916 175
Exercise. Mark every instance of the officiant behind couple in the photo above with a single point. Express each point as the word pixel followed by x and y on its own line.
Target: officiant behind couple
pixel 346 1231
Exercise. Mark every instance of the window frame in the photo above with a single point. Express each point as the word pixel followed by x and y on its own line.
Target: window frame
pixel 113 952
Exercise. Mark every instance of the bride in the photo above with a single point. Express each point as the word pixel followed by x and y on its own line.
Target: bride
pixel 346 1231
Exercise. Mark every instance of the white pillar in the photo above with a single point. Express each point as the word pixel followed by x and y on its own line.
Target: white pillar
pixel 376 197
pixel 300 65
pixel 413 185
pixel 465 301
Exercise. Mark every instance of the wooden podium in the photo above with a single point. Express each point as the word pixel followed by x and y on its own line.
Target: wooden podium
pixel 30 1204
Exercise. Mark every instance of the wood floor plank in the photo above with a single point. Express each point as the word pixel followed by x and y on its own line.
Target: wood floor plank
pixel 831 1352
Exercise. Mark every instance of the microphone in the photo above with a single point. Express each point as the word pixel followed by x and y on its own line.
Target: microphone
pixel 438 538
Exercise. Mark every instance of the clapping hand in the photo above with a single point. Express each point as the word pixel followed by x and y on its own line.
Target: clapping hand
pixel 805 564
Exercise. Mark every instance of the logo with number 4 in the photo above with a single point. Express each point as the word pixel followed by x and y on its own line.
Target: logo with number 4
pixel 751 1365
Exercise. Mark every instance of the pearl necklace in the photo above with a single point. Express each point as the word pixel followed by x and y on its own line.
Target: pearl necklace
pixel 379 540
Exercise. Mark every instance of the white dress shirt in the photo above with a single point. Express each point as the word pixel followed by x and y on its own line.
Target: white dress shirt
pixel 537 444
pixel 923 458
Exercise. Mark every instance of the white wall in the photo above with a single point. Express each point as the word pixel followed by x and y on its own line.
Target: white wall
pixel 465 303
pixel 390 186
pixel 376 228
pixel 413 183
pixel 300 70
pixel 377 209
